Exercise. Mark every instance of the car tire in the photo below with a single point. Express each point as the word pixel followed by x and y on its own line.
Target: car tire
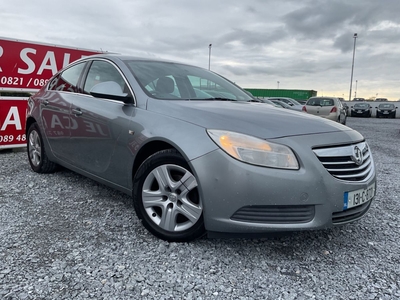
pixel 37 156
pixel 166 198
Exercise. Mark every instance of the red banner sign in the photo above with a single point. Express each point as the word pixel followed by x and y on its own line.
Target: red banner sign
pixel 28 66
pixel 12 122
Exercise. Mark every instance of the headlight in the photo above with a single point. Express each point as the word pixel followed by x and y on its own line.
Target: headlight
pixel 254 151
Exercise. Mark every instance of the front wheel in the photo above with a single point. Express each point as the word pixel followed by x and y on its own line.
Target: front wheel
pixel 37 156
pixel 166 198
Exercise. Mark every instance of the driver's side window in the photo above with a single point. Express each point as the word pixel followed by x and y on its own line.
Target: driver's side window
pixel 102 71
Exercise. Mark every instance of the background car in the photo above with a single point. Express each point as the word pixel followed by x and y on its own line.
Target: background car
pixel 358 99
pixel 281 104
pixel 386 110
pixel 361 110
pixel 381 99
pixel 291 102
pixel 267 101
pixel 195 163
pixel 327 107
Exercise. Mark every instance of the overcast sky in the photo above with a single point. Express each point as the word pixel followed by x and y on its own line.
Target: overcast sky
pixel 303 44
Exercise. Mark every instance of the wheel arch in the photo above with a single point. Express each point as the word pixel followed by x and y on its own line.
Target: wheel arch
pixel 148 150
pixel 29 122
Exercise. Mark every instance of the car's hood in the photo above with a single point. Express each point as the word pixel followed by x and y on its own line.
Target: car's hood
pixel 256 119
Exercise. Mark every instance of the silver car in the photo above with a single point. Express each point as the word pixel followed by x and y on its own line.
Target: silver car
pixel 289 101
pixel 327 107
pixel 195 152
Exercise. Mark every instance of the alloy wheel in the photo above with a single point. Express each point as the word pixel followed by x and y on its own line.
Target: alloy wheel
pixel 34 148
pixel 170 198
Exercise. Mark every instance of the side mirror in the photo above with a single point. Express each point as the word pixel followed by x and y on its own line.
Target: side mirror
pixel 110 90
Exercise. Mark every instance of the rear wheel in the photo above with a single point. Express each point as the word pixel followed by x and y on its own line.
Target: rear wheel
pixel 37 156
pixel 166 197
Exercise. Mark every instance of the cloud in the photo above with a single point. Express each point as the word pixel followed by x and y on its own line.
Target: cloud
pixel 301 43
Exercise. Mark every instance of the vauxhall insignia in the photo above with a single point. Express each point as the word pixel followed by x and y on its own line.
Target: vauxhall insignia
pixel 357 156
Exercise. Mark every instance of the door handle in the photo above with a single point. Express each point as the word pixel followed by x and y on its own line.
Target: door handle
pixel 45 102
pixel 77 111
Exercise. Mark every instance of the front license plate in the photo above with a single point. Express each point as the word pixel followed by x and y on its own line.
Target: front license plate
pixel 385 112
pixel 358 197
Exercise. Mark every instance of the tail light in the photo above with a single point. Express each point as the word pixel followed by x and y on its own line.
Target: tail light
pixel 304 108
pixel 334 109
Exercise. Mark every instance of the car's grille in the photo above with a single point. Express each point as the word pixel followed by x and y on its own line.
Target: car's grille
pixel 350 214
pixel 275 214
pixel 349 163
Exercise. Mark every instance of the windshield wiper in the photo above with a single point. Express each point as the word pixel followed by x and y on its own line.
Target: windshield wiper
pixel 220 99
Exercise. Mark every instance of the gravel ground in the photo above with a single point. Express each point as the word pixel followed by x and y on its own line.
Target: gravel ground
pixel 66 237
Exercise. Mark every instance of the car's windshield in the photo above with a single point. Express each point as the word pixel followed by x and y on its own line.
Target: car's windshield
pixel 173 81
pixel 386 106
pixel 361 105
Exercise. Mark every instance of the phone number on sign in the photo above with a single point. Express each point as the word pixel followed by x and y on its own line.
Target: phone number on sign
pixel 20 81
pixel 11 138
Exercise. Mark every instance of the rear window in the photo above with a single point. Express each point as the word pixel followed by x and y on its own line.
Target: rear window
pixel 320 102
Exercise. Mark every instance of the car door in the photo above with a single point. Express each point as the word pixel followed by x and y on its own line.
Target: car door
pixel 55 109
pixel 102 125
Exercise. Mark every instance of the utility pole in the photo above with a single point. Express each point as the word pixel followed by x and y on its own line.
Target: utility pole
pixel 352 65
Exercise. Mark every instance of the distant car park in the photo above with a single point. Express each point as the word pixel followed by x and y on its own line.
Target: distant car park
pixel 361 110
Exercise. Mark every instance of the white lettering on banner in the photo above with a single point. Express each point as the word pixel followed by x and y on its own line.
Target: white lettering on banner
pixel 1 53
pixel 52 66
pixel 29 62
pixel 48 62
pixel 12 119
pixel 66 59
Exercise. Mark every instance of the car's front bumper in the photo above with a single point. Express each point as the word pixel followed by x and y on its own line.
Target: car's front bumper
pixel 240 198
pixel 386 114
pixel 365 113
